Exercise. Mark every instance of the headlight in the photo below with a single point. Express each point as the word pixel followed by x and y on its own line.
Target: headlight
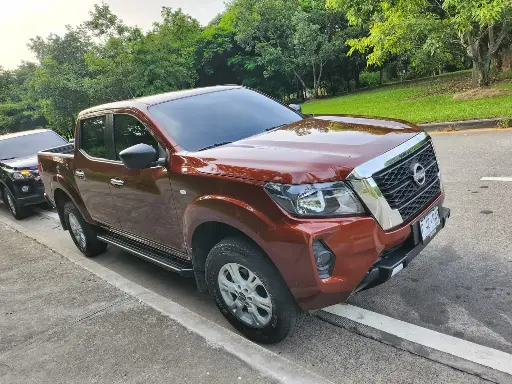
pixel 21 175
pixel 316 200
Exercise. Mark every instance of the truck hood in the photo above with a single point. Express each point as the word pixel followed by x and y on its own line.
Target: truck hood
pixel 21 163
pixel 320 149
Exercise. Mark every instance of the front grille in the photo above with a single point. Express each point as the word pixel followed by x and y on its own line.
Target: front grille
pixel 399 188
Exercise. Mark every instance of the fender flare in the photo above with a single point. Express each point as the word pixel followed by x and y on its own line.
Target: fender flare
pixel 229 211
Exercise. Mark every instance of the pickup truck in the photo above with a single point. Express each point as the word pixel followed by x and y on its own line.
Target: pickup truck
pixel 20 183
pixel 271 211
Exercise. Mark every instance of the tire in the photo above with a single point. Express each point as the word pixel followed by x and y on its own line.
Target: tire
pixel 268 291
pixel 82 233
pixel 19 212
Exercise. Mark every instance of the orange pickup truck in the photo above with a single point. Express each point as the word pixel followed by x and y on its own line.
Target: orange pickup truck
pixel 270 210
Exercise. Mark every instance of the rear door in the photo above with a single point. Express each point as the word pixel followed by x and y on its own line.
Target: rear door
pixel 94 168
pixel 143 197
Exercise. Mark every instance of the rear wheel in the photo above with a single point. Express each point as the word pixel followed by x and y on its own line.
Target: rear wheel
pixel 249 291
pixel 19 212
pixel 82 233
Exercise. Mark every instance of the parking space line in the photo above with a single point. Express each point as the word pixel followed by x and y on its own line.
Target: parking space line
pixel 479 354
pixel 496 179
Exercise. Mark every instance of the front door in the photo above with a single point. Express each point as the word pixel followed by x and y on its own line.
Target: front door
pixel 94 168
pixel 143 197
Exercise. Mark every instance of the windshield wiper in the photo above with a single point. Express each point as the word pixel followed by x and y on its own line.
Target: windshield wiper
pixel 215 145
pixel 8 158
pixel 276 127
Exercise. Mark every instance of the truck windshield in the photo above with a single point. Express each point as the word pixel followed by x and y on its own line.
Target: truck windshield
pixel 217 118
pixel 29 145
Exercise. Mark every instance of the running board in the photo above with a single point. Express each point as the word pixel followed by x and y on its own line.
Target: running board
pixel 155 256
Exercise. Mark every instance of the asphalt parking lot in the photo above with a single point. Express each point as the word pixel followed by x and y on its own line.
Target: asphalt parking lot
pixel 459 286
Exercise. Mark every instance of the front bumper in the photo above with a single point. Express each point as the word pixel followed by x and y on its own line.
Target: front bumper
pixel 383 268
pixel 34 196
pixel 365 255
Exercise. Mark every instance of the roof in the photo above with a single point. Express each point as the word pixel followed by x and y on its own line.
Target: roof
pixel 24 133
pixel 160 98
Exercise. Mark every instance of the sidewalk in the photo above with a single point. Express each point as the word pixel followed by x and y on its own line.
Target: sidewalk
pixel 61 324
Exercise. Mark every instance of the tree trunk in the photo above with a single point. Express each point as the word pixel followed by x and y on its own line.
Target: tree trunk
pixel 357 79
pixel 475 76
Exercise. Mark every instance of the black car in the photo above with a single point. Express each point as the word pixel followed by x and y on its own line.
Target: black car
pixel 20 182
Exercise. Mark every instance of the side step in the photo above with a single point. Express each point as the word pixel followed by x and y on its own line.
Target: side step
pixel 155 256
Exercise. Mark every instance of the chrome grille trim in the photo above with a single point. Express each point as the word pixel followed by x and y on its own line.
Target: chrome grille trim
pixel 389 158
pixel 393 202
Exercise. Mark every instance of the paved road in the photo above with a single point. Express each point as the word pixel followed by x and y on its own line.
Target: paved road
pixel 460 285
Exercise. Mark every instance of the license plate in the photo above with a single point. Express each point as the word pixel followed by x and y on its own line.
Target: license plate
pixel 429 224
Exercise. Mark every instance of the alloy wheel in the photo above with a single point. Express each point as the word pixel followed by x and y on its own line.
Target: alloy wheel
pixel 76 230
pixel 245 295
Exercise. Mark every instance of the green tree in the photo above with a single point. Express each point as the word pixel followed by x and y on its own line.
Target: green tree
pixel 287 38
pixel 427 29
pixel 164 59
pixel 60 81
pixel 19 109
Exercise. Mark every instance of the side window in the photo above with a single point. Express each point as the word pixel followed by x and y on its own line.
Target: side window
pixel 129 131
pixel 92 138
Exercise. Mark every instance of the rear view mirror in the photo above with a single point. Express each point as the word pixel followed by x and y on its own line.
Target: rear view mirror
pixel 296 107
pixel 139 156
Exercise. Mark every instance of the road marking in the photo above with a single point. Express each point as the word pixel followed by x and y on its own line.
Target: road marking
pixel 469 131
pixel 488 357
pixel 496 179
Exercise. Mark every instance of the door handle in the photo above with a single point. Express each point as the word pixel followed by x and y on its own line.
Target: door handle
pixel 117 182
pixel 80 174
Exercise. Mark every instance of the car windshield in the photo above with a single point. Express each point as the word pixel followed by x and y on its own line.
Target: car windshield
pixel 29 145
pixel 217 118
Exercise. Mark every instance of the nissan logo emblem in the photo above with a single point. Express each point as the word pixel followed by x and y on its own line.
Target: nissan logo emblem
pixel 419 175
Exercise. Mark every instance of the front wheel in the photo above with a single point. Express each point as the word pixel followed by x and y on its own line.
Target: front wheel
pixel 249 291
pixel 82 233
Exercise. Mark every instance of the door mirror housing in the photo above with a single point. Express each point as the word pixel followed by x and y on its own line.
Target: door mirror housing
pixel 139 156
pixel 296 107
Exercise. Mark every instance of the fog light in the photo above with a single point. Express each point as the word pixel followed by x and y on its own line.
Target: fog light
pixel 324 259
pixel 25 189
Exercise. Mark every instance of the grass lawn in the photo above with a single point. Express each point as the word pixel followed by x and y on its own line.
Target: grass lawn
pixel 428 100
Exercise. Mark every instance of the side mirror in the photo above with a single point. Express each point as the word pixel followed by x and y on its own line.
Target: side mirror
pixel 139 156
pixel 296 107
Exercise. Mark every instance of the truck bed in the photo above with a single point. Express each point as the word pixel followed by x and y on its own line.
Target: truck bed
pixel 56 165
pixel 67 149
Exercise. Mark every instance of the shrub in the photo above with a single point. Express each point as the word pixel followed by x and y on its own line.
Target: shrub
pixel 369 79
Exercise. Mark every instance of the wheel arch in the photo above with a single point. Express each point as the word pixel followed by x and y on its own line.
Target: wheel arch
pixel 208 221
pixel 63 191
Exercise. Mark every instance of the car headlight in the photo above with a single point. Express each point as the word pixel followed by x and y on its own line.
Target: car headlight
pixel 21 175
pixel 316 200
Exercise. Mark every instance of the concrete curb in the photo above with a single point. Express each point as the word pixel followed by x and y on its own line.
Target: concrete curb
pixel 268 363
pixel 464 124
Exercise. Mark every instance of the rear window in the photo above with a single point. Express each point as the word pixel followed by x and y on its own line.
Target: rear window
pixel 201 121
pixel 29 145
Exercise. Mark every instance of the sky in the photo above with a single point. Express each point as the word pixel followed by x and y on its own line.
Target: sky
pixel 22 19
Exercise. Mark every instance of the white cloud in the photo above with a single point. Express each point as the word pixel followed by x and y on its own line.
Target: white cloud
pixel 21 20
